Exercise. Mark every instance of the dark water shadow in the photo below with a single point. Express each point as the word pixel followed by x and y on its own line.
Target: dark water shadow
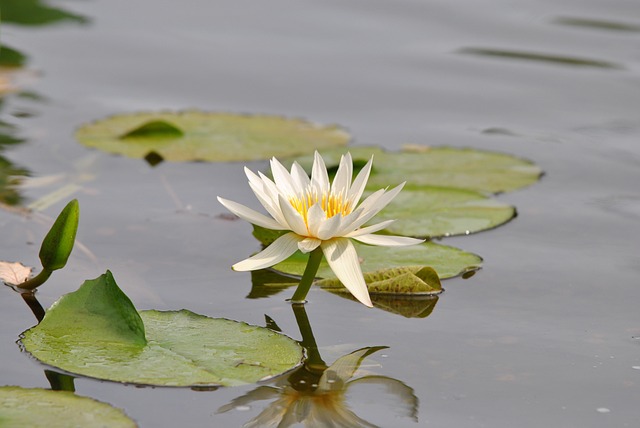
pixel 597 24
pixel 560 60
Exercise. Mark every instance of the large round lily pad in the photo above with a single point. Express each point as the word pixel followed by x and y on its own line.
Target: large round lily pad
pixel 22 407
pixel 446 261
pixel 420 166
pixel 97 332
pixel 438 211
pixel 208 136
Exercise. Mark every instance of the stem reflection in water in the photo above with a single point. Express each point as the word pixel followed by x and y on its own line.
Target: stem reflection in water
pixel 316 394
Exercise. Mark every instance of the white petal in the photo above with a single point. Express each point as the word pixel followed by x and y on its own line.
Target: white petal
pixel 343 260
pixel 347 221
pixel 250 215
pixel 253 177
pixel 308 244
pixel 369 229
pixel 373 206
pixel 364 212
pixel 300 177
pixel 387 197
pixel 282 178
pixel 330 227
pixel 279 250
pixel 387 240
pixel 358 185
pixel 262 188
pixel 270 187
pixel 272 208
pixel 292 217
pixel 342 180
pixel 315 218
pixel 319 175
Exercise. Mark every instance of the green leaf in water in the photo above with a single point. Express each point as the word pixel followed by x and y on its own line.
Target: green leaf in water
pixel 208 136
pixel 449 167
pixel 34 407
pixel 437 211
pixel 96 332
pixel 446 261
pixel 405 280
pixel 97 312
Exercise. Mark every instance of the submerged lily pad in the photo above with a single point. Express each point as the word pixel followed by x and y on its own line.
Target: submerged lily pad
pixel 22 407
pixel 436 212
pixel 446 261
pixel 97 332
pixel 208 136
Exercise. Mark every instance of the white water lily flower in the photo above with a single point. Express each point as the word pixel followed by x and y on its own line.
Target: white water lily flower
pixel 318 214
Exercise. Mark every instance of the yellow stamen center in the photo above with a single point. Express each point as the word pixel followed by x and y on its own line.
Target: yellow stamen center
pixel 331 204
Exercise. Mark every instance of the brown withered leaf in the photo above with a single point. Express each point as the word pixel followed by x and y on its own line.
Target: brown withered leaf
pixel 14 273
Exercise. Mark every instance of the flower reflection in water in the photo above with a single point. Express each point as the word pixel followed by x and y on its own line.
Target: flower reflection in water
pixel 316 395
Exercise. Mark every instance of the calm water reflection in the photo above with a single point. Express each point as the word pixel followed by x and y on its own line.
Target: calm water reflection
pixel 317 395
pixel 541 336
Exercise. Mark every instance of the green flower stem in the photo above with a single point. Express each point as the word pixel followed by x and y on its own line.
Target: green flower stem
pixel 315 257
pixel 36 281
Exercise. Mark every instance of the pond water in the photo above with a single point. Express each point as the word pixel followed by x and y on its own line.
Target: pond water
pixel 546 334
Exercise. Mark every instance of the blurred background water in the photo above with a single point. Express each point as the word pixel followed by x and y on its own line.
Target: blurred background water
pixel 543 335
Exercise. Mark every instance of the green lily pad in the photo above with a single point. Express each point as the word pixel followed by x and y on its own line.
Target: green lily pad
pixel 424 166
pixel 437 211
pixel 208 136
pixel 22 407
pixel 447 261
pixel 96 332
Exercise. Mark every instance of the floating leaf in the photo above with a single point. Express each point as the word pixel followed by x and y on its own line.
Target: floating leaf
pixel 96 332
pixel 450 167
pixel 405 280
pixel 14 273
pixel 203 136
pixel 436 212
pixel 447 261
pixel 22 407
pixel 57 245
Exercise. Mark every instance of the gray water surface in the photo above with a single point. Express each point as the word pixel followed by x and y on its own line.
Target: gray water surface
pixel 542 336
